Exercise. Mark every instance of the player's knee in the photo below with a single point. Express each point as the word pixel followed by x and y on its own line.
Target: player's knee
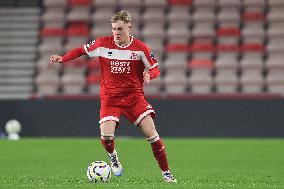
pixel 107 136
pixel 153 138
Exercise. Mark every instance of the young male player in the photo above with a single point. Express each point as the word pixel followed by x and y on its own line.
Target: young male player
pixel 123 60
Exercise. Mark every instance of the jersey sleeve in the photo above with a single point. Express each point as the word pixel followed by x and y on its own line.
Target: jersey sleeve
pixel 148 58
pixel 92 48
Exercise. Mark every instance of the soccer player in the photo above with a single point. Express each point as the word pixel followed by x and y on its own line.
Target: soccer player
pixel 123 60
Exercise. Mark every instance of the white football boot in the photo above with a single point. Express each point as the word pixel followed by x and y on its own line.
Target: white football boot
pixel 116 166
pixel 168 177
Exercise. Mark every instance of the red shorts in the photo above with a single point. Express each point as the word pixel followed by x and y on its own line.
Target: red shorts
pixel 133 106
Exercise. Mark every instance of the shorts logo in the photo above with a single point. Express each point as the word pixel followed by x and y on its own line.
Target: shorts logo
pixel 134 56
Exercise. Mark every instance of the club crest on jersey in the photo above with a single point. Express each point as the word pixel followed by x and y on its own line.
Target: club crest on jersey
pixel 134 56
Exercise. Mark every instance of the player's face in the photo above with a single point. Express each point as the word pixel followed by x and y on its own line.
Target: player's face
pixel 120 31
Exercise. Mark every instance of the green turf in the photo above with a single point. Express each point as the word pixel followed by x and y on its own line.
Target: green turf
pixel 196 163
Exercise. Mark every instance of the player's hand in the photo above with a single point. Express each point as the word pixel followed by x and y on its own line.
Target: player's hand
pixel 146 77
pixel 55 59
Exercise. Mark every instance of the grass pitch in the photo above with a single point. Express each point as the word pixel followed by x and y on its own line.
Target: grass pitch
pixel 196 163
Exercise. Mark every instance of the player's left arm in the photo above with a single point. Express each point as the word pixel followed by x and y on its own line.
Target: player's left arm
pixel 151 63
pixel 152 74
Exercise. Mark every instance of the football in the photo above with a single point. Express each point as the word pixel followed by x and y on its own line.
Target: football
pixel 98 171
pixel 13 128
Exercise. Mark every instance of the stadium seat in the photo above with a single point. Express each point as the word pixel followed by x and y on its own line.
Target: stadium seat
pixel 176 60
pixel 178 14
pixel 54 3
pixel 252 81
pixel 203 14
pixel 275 81
pixel 75 42
pixel 203 32
pixel 227 57
pixel 275 3
pixel 153 15
pixel 229 17
pixel 248 62
pixel 153 30
pixel 57 33
pixel 78 3
pixel 180 2
pixel 98 4
pixel 175 85
pixel 203 3
pixel 275 61
pixel 178 32
pixel 201 50
pixel 229 3
pixel 200 76
pixel 102 15
pixel 132 3
pixel 101 30
pixel 228 35
pixel 157 3
pixel 154 87
pixel 73 84
pixel 253 35
pixel 254 5
pixel 47 81
pixel 156 45
pixel 226 81
pixel 78 29
pixel 54 17
pixel 79 14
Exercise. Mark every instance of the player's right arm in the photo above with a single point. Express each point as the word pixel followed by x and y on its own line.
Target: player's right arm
pixel 73 54
pixel 88 49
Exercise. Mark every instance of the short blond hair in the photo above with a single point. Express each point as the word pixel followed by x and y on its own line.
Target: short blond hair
pixel 121 15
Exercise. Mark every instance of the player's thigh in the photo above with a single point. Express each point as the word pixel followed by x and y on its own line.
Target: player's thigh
pixel 109 112
pixel 147 126
pixel 138 109
pixel 108 127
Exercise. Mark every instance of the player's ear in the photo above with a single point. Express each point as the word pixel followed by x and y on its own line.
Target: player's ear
pixel 130 27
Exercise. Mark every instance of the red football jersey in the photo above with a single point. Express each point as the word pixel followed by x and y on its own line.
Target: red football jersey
pixel 121 67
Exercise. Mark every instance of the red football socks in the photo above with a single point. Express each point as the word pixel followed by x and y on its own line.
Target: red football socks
pixel 159 152
pixel 108 144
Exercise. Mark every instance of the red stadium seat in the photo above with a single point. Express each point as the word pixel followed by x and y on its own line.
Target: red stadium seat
pixel 80 2
pixel 253 16
pixel 228 31
pixel 202 50
pixel 227 48
pixel 201 47
pixel 201 64
pixel 180 2
pixel 78 29
pixel 177 47
pixel 253 47
pixel 50 32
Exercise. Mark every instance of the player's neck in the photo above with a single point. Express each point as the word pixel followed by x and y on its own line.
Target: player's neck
pixel 124 43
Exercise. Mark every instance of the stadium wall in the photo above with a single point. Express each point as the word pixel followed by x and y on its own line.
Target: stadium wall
pixel 175 118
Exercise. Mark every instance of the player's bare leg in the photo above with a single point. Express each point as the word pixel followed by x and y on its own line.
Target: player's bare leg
pixel 107 140
pixel 148 128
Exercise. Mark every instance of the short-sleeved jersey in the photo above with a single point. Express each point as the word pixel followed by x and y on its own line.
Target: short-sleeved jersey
pixel 121 67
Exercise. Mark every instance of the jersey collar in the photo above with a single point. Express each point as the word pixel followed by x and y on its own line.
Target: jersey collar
pixel 131 40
